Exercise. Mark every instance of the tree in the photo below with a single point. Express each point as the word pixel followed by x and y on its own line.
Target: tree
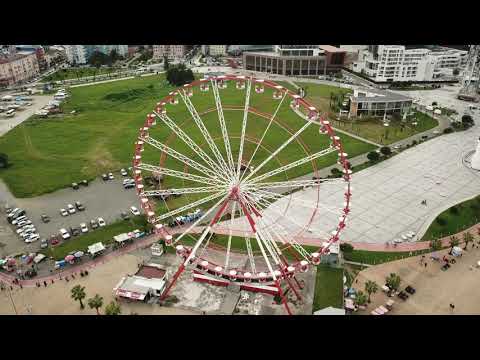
pixel 113 309
pixel 434 103
pixel 371 287
pixel 3 160
pixel 385 150
pixel 467 121
pixel 346 247
pixel 467 238
pixel 360 298
pixel 179 75
pixel 96 302
pixel 453 241
pixel 78 294
pixel 336 172
pixel 373 156
pixel 166 64
pixel 456 72
pixel 435 244
pixel 393 281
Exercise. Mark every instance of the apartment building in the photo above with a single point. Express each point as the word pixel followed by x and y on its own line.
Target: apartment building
pixel 172 52
pixel 214 50
pixel 296 60
pixel 395 63
pixel 18 67
pixel 76 54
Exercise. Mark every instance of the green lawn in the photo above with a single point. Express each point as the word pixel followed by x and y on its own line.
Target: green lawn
pixel 75 73
pixel 328 288
pixel 49 154
pixel 379 257
pixel 374 130
pixel 468 215
pixel 104 235
pixel 319 94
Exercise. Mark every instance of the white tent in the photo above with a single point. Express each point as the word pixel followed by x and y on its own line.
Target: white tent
pixel 121 238
pixel 38 258
pixel 96 248
pixel 330 311
pixel 456 251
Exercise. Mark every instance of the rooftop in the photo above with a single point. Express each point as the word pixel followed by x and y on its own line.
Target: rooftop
pixel 374 95
pixel 151 271
pixel 331 49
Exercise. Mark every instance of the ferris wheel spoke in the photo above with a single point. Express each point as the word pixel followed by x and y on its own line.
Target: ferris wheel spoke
pixel 175 154
pixel 181 191
pixel 223 126
pixel 229 243
pixel 201 126
pixel 192 144
pixel 244 127
pixel 264 133
pixel 293 165
pixel 189 206
pixel 175 173
pixel 280 148
pixel 200 219
pixel 295 183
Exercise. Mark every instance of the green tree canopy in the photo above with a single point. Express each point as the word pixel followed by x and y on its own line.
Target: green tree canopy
pixel 393 281
pixel 78 294
pixel 373 156
pixel 385 150
pixel 113 309
pixel 3 160
pixel 179 75
pixel 95 303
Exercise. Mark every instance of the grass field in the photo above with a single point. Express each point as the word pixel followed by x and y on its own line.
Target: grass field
pixel 104 235
pixel 319 94
pixel 49 154
pixel 328 288
pixel 467 215
pixel 76 73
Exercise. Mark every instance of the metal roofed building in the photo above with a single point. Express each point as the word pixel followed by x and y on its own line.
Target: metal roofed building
pixel 148 282
pixel 378 103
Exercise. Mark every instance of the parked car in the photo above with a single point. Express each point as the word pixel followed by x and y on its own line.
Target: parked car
pixel 75 186
pixel 104 177
pixel 19 219
pixel 83 228
pixel 124 172
pixel 33 237
pixel 84 182
pixel 101 222
pixel 134 211
pixel 93 224
pixel 110 176
pixel 75 231
pixel 43 243
pixel 79 206
pixel 23 223
pixel 124 215
pixel 26 230
pixel 65 234
pixel 45 218
pixel 71 209
pixel 64 212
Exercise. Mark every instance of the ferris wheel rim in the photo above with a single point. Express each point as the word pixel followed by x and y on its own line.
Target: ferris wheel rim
pixel 160 229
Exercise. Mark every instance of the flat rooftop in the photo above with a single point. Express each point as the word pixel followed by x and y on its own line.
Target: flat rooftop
pixel 375 95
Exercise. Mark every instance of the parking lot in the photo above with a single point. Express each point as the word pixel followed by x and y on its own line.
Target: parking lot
pixel 106 199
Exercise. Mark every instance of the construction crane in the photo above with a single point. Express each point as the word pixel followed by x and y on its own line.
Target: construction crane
pixel 470 80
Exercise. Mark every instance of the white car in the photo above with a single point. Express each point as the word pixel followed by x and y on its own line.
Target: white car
pixel 23 223
pixel 123 172
pixel 83 227
pixel 25 230
pixel 32 238
pixel 110 176
pixel 134 211
pixel 71 209
pixel 64 212
pixel 19 219
pixel 27 233
pixel 101 222
pixel 65 234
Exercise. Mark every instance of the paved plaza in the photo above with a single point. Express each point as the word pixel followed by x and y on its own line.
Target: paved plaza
pixel 386 201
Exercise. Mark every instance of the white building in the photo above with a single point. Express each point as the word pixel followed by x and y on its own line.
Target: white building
pixel 122 50
pixel 393 63
pixel 214 50
pixel 76 54
pixel 172 52
pixel 476 157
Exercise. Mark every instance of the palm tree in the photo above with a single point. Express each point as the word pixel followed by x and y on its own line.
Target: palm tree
pixel 453 242
pixel 113 309
pixel 360 298
pixel 393 281
pixel 435 244
pixel 371 287
pixel 96 302
pixel 78 294
pixel 467 238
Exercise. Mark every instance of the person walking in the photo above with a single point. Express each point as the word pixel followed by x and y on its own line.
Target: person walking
pixel 452 307
pixel 425 265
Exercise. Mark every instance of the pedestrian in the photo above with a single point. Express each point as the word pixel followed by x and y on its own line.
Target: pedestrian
pixel 45 283
pixel 452 307
pixel 21 287
pixel 52 281
pixel 425 265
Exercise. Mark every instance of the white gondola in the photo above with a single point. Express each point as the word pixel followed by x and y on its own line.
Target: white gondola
pixel 240 84
pixel 295 103
pixel 316 257
pixel 312 114
pixel 204 86
pixel 168 240
pixel 174 98
pixel 278 93
pixel 259 88
pixel 303 266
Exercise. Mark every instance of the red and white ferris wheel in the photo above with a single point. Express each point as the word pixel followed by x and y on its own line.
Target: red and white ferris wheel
pixel 236 184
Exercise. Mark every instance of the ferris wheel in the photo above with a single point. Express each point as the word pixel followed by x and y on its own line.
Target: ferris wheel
pixel 226 190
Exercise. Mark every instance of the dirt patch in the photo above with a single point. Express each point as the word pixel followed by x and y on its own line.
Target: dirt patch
pixel 101 159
